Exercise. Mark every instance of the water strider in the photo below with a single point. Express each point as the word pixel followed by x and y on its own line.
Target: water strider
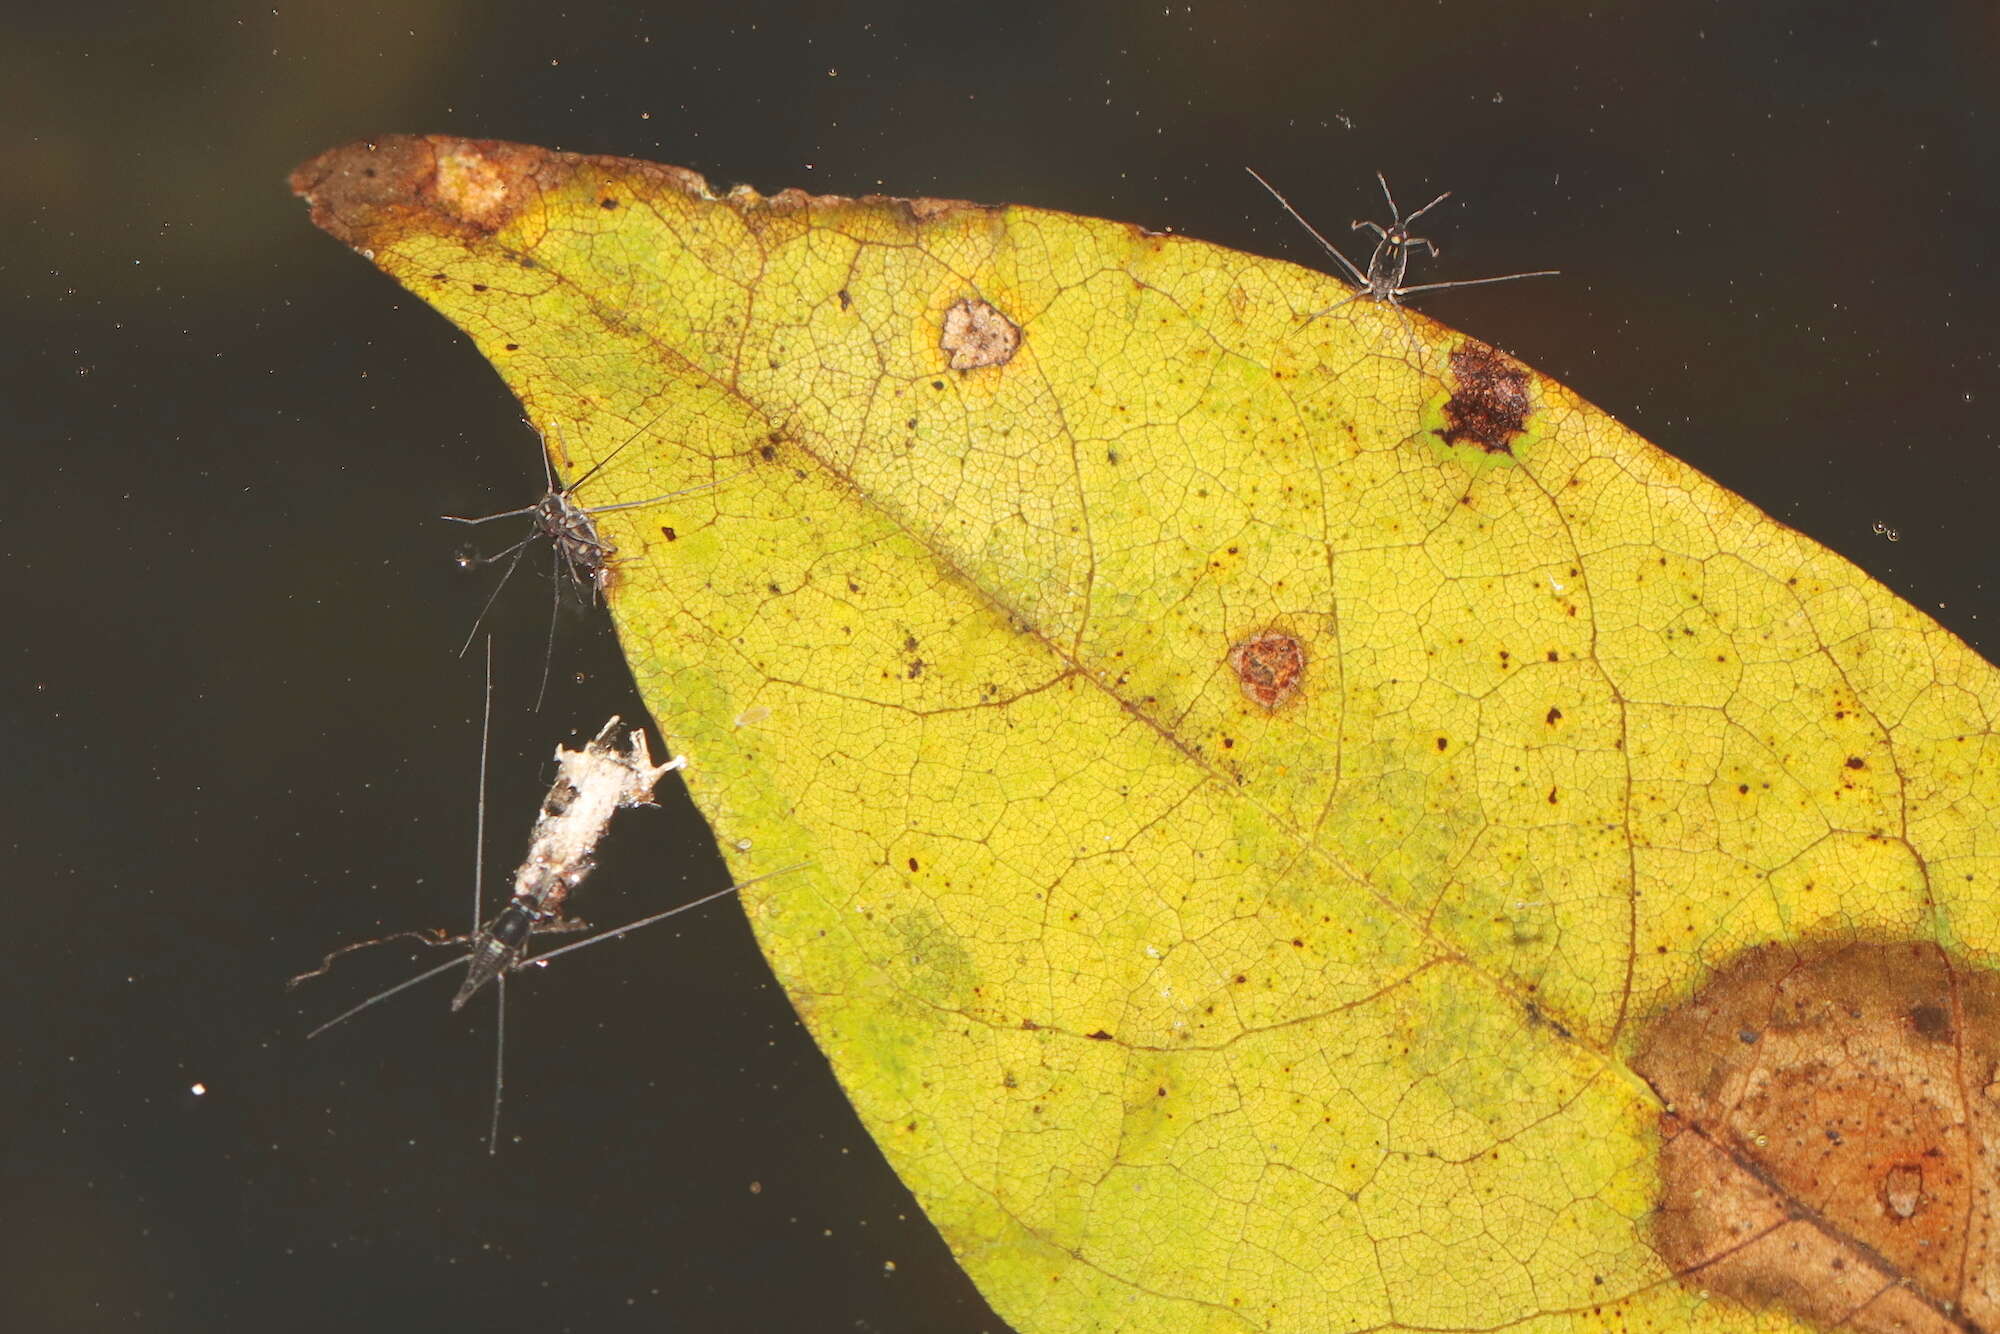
pixel 575 544
pixel 1390 261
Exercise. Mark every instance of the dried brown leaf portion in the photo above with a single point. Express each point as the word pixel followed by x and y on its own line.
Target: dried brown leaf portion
pixel 370 192
pixel 1830 1144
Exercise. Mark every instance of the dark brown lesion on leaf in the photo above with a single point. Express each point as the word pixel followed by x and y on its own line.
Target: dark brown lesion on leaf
pixel 1844 1165
pixel 1268 667
pixel 1489 404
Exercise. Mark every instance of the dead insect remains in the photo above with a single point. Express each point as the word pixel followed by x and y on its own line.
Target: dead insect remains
pixel 608 774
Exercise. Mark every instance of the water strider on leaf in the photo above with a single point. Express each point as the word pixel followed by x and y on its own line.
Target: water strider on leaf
pixel 1390 261
pixel 575 544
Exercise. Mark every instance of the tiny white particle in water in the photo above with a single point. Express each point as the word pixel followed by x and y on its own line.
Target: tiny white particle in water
pixel 197 1089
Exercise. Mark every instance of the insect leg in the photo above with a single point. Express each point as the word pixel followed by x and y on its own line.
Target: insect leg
pixel 1478 282
pixel 1347 265
pixel 518 548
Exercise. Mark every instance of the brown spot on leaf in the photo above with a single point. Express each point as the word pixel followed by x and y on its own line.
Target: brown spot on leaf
pixel 1268 667
pixel 1931 1021
pixel 1903 1190
pixel 1844 1166
pixel 1489 407
pixel 975 334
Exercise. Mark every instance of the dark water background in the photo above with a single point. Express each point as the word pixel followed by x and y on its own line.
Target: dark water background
pixel 234 730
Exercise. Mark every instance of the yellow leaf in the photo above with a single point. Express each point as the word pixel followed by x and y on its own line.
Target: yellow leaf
pixel 1313 826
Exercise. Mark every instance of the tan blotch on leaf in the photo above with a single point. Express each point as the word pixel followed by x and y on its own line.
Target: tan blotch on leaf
pixel 1826 1151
